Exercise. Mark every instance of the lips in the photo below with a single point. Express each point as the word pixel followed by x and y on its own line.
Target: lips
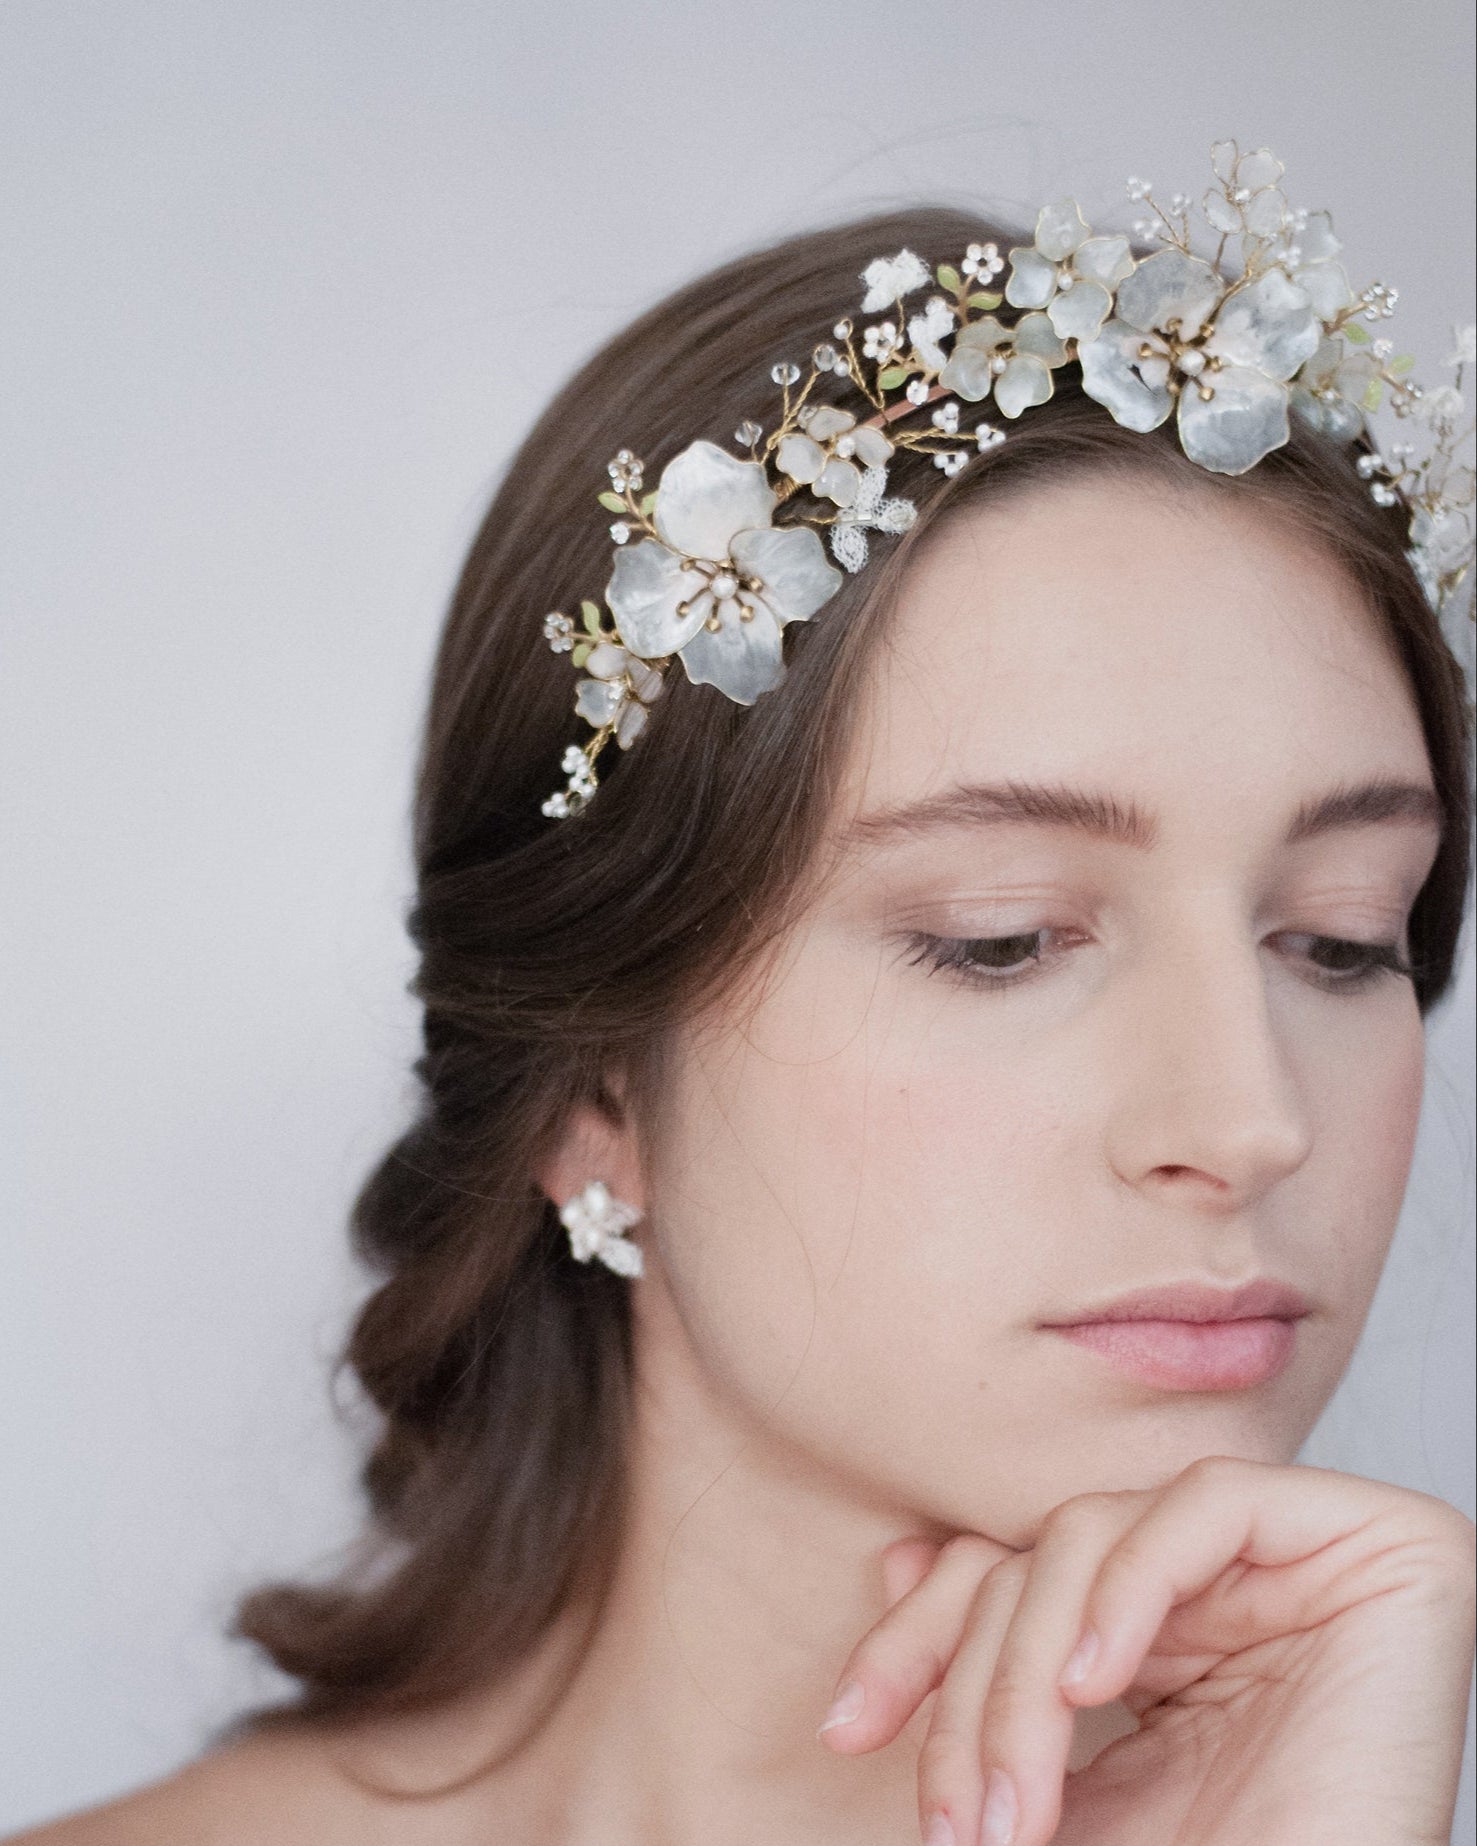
pixel 1194 1337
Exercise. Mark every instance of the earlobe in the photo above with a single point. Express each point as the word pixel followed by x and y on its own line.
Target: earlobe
pixel 595 1145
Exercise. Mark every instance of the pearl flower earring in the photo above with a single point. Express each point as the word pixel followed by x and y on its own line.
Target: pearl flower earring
pixel 597 1222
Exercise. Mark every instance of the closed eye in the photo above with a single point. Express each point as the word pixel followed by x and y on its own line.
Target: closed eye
pixel 1334 963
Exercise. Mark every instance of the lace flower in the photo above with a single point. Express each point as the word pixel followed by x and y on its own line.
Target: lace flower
pixel 1226 354
pixel 869 510
pixel 888 279
pixel 1067 271
pixel 721 581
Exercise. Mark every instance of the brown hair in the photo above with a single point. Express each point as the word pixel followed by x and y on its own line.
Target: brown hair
pixel 557 952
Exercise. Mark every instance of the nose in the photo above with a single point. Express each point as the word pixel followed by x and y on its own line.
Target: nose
pixel 1207 1108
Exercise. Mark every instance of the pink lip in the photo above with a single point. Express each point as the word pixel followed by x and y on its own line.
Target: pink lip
pixel 1189 1337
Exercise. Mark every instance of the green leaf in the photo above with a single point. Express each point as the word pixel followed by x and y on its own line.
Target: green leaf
pixel 1353 332
pixel 1374 392
pixel 1401 364
pixel 891 378
pixel 581 653
pixel 648 504
pixel 591 613
pixel 613 502
pixel 948 278
pixel 985 301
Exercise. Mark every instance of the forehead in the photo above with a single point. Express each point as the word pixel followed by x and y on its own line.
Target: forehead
pixel 1171 640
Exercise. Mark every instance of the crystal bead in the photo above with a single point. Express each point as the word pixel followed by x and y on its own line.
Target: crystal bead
pixel 842 330
pixel 747 433
pixel 785 373
pixel 824 358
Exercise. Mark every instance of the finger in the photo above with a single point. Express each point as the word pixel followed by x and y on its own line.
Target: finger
pixel 1023 1724
pixel 1219 1512
pixel 901 1658
pixel 950 1784
pixel 905 1563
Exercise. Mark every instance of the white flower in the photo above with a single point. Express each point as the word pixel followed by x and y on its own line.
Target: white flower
pixel 1441 404
pixel 880 341
pixel 925 330
pixel 1067 271
pixel 888 279
pixel 869 509
pixel 559 633
pixel 720 581
pixel 983 261
pixel 1230 350
pixel 987 436
pixel 597 1224
pixel 824 455
pixel 1464 346
pixel 621 688
pixel 1328 392
pixel 1015 362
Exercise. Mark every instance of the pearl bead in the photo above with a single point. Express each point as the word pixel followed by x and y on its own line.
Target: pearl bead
pixel 723 586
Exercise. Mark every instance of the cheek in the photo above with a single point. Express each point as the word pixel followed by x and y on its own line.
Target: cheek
pixel 836 1178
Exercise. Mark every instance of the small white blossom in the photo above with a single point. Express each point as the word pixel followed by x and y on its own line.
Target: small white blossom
pixel 559 633
pixel 880 341
pixel 888 279
pixel 987 436
pixel 983 261
pixel 946 418
pixel 951 460
pixel 1464 346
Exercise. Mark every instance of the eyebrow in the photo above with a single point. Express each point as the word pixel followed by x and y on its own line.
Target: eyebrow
pixel 1382 802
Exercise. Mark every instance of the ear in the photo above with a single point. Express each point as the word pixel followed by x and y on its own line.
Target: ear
pixel 598 1142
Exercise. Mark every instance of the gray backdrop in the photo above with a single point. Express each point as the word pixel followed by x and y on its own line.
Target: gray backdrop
pixel 285 280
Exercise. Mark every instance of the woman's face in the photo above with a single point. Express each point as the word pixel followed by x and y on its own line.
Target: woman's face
pixel 876 1178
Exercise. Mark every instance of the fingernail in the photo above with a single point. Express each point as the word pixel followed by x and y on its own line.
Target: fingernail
pixel 1000 1810
pixel 847 1707
pixel 940 1832
pixel 1079 1665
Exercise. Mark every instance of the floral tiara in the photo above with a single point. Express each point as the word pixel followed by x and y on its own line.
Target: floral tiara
pixel 705 572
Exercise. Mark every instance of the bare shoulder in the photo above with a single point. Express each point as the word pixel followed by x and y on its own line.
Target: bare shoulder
pixel 271 1790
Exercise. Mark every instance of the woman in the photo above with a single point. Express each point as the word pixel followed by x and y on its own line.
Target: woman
pixel 926 1038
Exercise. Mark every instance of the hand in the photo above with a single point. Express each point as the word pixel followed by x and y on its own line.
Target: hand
pixel 1295 1644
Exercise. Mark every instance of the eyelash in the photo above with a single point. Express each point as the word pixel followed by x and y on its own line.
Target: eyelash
pixel 951 954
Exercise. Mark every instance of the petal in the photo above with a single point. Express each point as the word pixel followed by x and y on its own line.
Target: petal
pixel 1168 288
pixel 1220 213
pixel 1223 155
pixel 1316 239
pixel 1026 380
pixel 1079 313
pixel 742 659
pixel 849 546
pixel 1060 228
pixel 1266 213
pixel 1035 334
pixel 1104 259
pixel 1259 168
pixel 607 661
pixel 705 495
pixel 800 458
pixel 968 373
pixel 1267 325
pixel 838 481
pixel 1032 279
pixel 870 446
pixel 630 724
pixel 1231 431
pixel 597 700
pixel 985 334
pixel 791 563
pixel 1110 373
pixel 646 680
pixel 1327 287
pixel 646 586
pixel 825 421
